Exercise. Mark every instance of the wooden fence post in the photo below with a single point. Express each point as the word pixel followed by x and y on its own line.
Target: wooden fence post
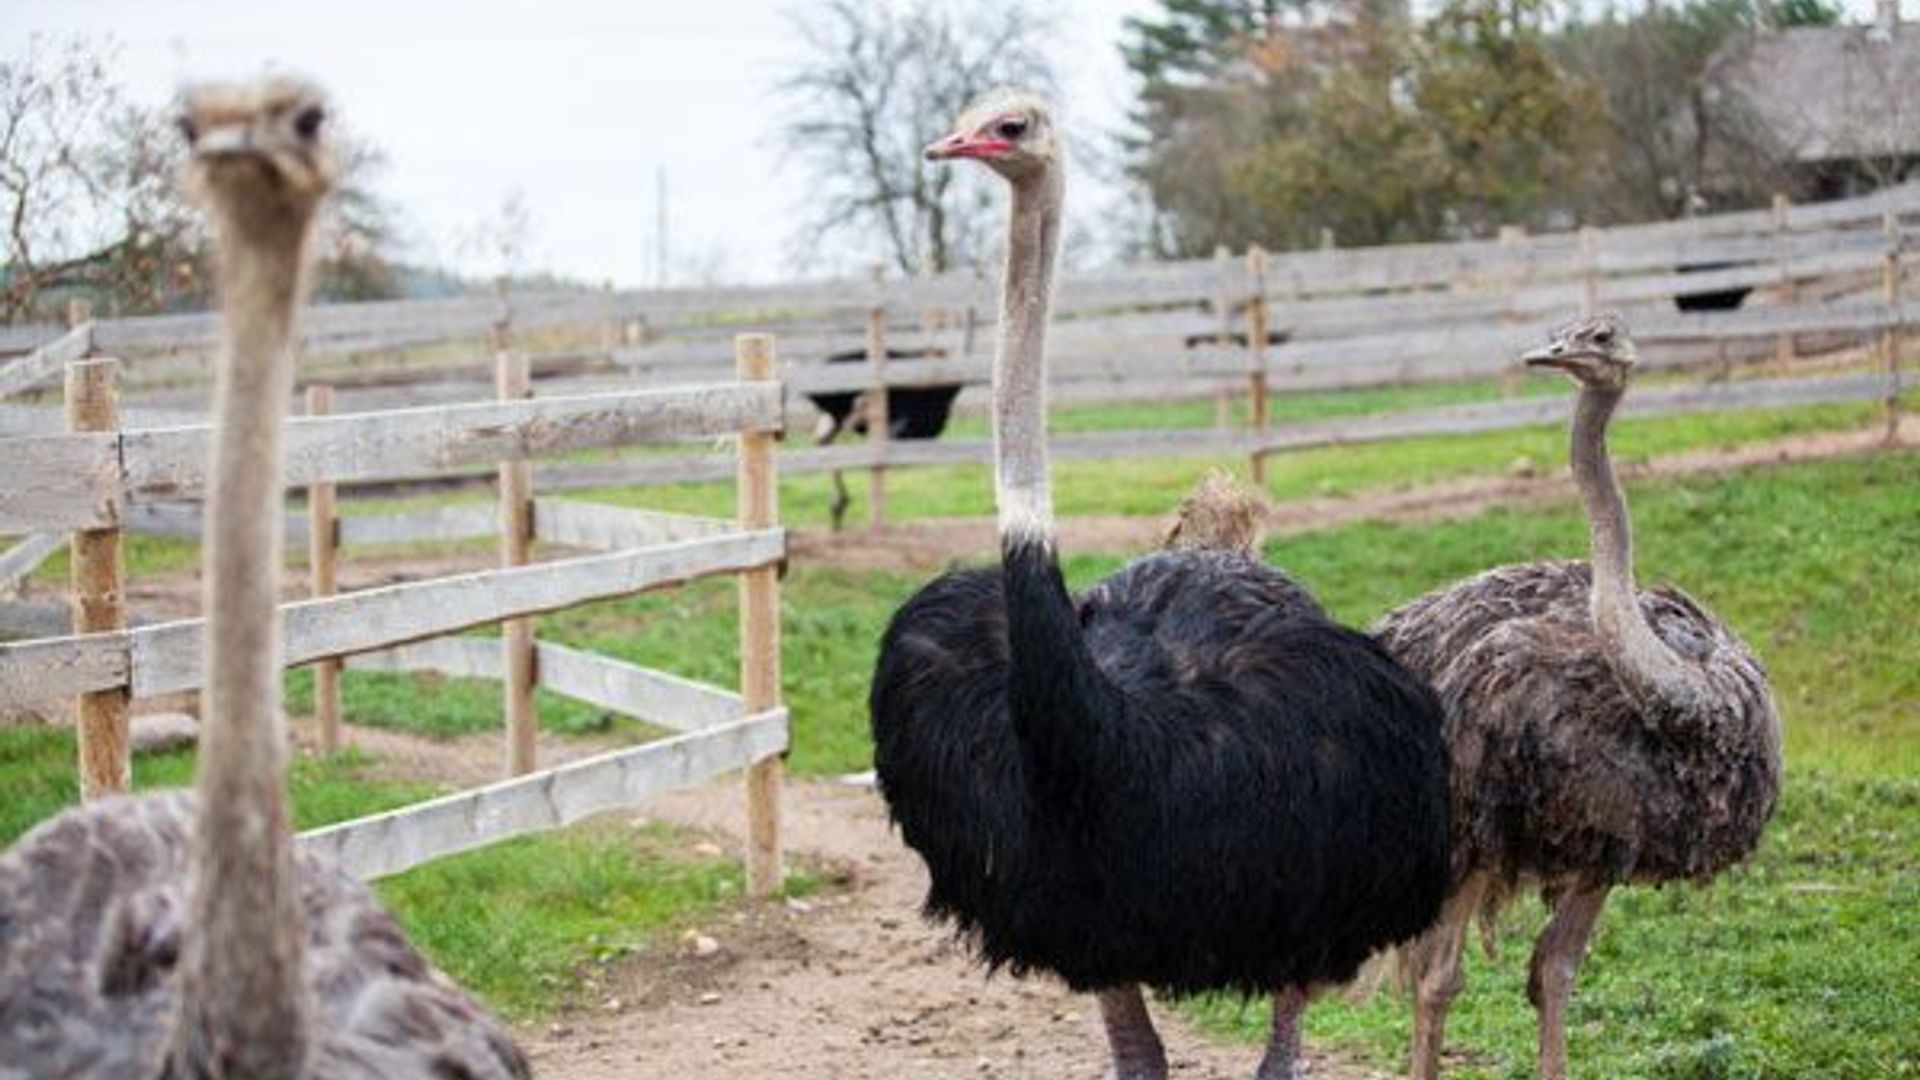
pixel 1783 347
pixel 877 404
pixel 323 546
pixel 512 377
pixel 1890 337
pixel 99 595
pixel 1223 298
pixel 759 626
pixel 1589 270
pixel 1257 355
pixel 1508 282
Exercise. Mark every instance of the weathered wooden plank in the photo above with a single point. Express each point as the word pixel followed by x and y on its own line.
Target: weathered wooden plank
pixel 398 840
pixel 412 443
pixel 657 697
pixel 24 557
pixel 599 527
pixel 52 669
pixel 59 482
pixel 459 657
pixel 167 657
pixel 437 523
pixel 45 363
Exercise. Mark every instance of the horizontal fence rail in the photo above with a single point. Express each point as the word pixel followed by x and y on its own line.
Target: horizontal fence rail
pixel 166 657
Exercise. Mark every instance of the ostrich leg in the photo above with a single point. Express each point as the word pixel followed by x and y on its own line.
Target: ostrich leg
pixel 1437 978
pixel 841 500
pixel 1556 963
pixel 1137 1052
pixel 1282 1059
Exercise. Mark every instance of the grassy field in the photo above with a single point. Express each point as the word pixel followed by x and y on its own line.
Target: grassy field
pixel 1803 963
pixel 523 924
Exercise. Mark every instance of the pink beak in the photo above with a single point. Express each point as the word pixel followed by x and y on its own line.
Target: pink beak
pixel 962 145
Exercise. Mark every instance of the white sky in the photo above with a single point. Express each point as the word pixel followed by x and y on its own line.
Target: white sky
pixel 575 102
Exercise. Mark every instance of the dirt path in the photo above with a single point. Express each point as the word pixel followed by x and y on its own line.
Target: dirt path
pixel 932 544
pixel 851 986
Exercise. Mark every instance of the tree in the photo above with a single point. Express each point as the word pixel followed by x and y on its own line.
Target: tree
pixel 1268 123
pixel 1678 132
pixel 876 83
pixel 93 208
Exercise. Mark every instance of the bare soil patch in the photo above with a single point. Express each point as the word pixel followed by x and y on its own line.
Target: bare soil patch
pixel 849 986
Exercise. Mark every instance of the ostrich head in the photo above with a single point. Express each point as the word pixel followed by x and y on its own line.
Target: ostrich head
pixel 1011 132
pixel 1217 515
pixel 258 146
pixel 1597 351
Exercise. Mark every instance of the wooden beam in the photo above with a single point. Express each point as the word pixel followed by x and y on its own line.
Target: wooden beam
pixel 412 443
pixel 18 562
pixel 98 589
pixel 513 381
pixel 167 657
pixel 657 697
pixel 45 363
pixel 599 527
pixel 323 548
pixel 759 494
pixel 392 842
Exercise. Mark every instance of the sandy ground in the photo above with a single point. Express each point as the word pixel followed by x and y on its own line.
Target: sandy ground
pixel 852 985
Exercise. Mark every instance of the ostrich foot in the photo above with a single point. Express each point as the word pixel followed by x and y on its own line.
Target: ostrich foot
pixel 1282 1060
pixel 1137 1051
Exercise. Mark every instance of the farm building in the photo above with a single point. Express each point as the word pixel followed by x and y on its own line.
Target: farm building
pixel 1843 101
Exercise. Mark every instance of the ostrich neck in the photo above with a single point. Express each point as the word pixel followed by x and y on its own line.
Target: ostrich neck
pixel 244 1005
pixel 1639 656
pixel 1057 696
pixel 1020 362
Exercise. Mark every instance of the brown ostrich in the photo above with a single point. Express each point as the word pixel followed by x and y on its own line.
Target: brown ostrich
pixel 1601 734
pixel 180 935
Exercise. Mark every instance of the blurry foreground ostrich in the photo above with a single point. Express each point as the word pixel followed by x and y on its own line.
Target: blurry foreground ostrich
pixel 180 936
pixel 1600 733
pixel 1192 778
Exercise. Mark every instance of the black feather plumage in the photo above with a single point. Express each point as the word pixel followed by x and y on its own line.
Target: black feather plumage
pixel 1192 778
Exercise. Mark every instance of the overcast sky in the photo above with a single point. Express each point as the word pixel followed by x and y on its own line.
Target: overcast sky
pixel 576 103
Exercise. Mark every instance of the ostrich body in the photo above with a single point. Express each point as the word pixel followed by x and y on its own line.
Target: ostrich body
pixel 1191 778
pixel 180 936
pixel 1600 734
pixel 917 413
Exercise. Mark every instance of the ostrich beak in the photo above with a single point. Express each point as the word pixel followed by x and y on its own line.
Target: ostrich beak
pixel 960 144
pixel 1554 354
pixel 223 141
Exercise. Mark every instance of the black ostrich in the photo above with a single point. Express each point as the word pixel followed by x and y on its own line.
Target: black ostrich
pixel 1192 778
pixel 916 413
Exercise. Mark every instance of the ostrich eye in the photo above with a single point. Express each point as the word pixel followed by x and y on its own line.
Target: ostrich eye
pixel 307 123
pixel 1603 336
pixel 1011 128
pixel 187 128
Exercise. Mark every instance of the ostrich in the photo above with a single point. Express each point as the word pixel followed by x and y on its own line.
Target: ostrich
pixel 180 935
pixel 1600 734
pixel 1192 779
pixel 916 413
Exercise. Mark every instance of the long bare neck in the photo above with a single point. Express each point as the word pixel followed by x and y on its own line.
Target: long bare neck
pixel 1642 660
pixel 244 1006
pixel 1020 362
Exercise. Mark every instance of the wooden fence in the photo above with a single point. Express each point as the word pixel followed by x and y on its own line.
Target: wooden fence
pixel 97 480
pixel 1254 327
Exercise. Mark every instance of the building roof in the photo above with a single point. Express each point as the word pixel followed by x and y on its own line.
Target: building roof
pixel 1838 92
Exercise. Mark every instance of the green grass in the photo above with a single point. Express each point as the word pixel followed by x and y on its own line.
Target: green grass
pixel 1152 485
pixel 38 779
pixel 1803 963
pixel 517 923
